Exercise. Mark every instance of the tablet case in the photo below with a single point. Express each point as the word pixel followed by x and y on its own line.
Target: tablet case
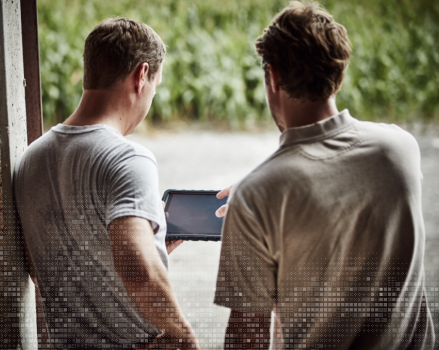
pixel 189 237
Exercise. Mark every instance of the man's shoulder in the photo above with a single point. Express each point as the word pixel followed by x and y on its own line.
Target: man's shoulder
pixel 386 133
pixel 123 148
pixel 105 140
pixel 377 140
pixel 39 145
pixel 389 139
pixel 284 162
pixel 256 186
pixel 104 146
pixel 137 149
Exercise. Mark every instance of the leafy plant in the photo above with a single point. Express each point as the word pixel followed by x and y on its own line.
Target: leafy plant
pixel 212 73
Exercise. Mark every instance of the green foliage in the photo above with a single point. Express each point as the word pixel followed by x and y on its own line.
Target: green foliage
pixel 211 71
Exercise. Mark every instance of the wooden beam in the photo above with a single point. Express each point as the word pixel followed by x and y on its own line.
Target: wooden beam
pixel 31 61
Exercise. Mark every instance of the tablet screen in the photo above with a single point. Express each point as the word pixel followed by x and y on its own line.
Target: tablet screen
pixel 193 214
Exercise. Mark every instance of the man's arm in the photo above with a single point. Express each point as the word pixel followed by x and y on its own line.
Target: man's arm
pixel 247 273
pixel 248 330
pixel 146 281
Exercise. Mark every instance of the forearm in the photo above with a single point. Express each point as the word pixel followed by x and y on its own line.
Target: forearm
pixel 145 277
pixel 156 301
pixel 248 330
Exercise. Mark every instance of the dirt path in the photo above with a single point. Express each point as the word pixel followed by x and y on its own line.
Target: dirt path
pixel 212 161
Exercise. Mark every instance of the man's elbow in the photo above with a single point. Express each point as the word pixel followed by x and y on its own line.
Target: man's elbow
pixel 34 280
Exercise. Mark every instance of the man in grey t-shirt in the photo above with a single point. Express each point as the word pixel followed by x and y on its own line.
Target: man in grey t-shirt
pixel 328 231
pixel 90 208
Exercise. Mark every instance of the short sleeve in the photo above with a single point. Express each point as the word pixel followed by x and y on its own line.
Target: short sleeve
pixel 133 190
pixel 247 273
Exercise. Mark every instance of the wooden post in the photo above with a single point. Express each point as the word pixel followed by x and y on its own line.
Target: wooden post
pixel 17 292
pixel 31 60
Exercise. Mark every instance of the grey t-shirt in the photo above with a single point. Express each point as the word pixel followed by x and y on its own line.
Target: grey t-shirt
pixel 69 185
pixel 329 232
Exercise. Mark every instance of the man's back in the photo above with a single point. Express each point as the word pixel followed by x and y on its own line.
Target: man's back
pixel 70 185
pixel 330 229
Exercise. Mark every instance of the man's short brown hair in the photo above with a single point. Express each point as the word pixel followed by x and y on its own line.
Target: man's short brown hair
pixel 309 49
pixel 116 47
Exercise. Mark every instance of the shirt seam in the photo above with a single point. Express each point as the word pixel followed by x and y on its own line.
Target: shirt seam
pixel 136 155
pixel 84 131
pixel 320 137
pixel 347 149
pixel 306 155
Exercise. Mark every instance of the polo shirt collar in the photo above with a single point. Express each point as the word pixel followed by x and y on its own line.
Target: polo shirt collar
pixel 320 130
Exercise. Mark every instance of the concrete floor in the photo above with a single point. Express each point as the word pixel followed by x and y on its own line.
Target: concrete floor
pixel 212 161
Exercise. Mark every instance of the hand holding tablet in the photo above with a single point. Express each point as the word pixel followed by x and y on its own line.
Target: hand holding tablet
pixel 190 215
pixel 221 212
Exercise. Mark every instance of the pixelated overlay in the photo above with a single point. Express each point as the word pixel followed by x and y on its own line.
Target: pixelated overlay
pixel 326 303
pixel 85 302
pixel 81 293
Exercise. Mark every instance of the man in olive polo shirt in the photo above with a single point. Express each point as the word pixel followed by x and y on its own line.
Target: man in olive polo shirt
pixel 328 231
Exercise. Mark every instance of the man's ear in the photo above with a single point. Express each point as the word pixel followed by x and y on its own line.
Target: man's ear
pixel 274 78
pixel 141 76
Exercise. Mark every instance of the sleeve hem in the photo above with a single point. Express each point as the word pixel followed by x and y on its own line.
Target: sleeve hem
pixel 137 213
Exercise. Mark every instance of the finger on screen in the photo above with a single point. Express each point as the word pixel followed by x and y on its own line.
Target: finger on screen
pixel 221 211
pixel 224 193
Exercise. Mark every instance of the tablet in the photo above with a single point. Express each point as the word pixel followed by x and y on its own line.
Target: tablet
pixel 190 215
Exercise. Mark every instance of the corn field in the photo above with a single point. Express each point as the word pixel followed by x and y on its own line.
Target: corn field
pixel 212 73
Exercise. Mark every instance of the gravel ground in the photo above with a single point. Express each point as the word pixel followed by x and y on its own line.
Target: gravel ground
pixel 212 161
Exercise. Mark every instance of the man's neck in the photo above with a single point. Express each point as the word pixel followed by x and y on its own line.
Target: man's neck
pixel 297 113
pixel 101 107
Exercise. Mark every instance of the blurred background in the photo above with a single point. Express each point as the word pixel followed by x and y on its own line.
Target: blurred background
pixel 209 125
pixel 212 73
